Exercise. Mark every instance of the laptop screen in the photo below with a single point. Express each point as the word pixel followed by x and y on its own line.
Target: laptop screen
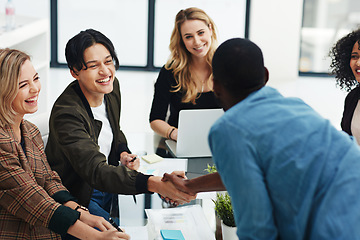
pixel 193 131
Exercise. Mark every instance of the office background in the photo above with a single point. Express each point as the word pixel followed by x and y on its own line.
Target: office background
pixel 299 30
pixel 295 37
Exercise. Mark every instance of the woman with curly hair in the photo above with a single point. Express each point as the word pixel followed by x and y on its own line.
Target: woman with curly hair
pixel 345 66
pixel 184 82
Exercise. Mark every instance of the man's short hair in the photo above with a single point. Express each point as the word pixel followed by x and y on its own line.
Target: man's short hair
pixel 238 65
pixel 76 46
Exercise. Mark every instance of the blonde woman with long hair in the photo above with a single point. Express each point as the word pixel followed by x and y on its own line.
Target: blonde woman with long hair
pixel 34 204
pixel 184 82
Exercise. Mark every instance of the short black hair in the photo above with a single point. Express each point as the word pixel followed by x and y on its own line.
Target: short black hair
pixel 238 65
pixel 76 46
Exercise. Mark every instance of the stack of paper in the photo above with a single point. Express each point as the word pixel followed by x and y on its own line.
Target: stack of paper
pixel 168 165
pixel 152 158
pixel 190 220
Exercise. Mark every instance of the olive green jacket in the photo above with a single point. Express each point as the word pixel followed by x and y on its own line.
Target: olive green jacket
pixel 73 149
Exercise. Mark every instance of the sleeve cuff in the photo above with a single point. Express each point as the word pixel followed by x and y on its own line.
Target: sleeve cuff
pixel 141 183
pixel 123 148
pixel 63 197
pixel 63 218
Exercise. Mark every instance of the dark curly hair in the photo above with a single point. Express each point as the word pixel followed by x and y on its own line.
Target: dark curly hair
pixel 340 61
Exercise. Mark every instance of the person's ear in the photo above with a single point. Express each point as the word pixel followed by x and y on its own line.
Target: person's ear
pixel 210 28
pixel 266 76
pixel 217 88
pixel 74 74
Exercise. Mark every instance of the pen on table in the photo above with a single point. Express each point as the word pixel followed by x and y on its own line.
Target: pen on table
pixel 115 225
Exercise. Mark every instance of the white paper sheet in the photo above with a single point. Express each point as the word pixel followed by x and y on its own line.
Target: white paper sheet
pixel 168 165
pixel 136 232
pixel 189 219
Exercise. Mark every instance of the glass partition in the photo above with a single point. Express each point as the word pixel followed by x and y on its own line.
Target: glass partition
pixel 324 22
pixel 124 22
pixel 33 8
pixel 229 17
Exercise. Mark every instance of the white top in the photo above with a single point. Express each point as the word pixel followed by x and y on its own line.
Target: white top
pixel 355 123
pixel 106 135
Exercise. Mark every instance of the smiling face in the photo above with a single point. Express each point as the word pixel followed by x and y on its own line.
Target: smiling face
pixel 97 79
pixel 196 36
pixel 28 93
pixel 355 61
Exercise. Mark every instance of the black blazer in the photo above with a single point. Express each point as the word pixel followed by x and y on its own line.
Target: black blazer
pixel 351 101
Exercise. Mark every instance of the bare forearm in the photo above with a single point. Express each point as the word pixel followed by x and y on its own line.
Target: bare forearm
pixel 83 231
pixel 71 204
pixel 160 127
pixel 207 183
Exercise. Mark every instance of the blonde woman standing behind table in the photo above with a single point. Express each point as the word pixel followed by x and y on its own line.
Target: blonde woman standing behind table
pixel 184 82
pixel 33 202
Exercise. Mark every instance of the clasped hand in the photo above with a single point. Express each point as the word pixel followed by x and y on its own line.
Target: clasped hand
pixel 168 190
pixel 179 180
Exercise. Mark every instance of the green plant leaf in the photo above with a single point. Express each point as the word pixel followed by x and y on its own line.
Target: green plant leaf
pixel 224 209
pixel 210 169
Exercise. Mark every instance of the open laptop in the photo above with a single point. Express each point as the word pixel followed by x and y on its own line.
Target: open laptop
pixel 193 130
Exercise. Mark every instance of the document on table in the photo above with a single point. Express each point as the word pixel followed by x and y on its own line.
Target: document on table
pixel 168 165
pixel 136 232
pixel 190 220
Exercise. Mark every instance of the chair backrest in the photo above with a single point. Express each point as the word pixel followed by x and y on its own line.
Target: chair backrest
pixel 42 122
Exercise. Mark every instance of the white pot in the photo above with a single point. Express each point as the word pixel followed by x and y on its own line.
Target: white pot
pixel 228 233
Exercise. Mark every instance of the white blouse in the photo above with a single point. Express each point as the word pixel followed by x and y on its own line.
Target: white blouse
pixel 355 123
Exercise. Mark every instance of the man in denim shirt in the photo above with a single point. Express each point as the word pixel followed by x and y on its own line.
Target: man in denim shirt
pixel 289 172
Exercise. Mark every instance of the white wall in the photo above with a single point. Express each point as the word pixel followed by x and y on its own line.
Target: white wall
pixel 275 27
pixel 33 8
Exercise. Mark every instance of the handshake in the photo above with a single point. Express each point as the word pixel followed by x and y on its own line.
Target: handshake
pixel 177 189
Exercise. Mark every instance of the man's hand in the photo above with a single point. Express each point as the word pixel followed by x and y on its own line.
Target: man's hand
pixel 131 161
pixel 168 190
pixel 179 180
pixel 206 183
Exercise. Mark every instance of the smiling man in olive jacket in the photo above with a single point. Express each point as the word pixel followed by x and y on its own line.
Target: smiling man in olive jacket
pixel 85 142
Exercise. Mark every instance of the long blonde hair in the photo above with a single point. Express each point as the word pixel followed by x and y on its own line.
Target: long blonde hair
pixel 180 57
pixel 11 61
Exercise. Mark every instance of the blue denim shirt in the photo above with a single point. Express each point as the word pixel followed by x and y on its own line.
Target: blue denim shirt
pixel 289 172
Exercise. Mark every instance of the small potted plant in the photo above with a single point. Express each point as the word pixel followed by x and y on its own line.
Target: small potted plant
pixel 224 211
